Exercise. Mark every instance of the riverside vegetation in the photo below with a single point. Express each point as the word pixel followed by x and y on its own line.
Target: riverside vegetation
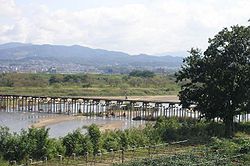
pixel 138 83
pixel 205 136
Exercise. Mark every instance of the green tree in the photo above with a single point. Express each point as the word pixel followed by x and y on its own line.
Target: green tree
pixel 53 79
pixel 124 140
pixel 37 142
pixel 111 142
pixel 4 135
pixel 218 81
pixel 77 142
pixel 55 147
pixel 95 137
pixel 145 73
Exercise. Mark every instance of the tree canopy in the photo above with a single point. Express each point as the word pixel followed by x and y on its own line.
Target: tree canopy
pixel 218 80
pixel 145 73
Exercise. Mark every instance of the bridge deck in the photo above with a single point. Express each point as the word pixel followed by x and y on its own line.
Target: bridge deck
pixel 149 99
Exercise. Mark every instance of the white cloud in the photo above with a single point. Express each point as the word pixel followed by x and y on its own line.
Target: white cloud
pixel 8 8
pixel 152 27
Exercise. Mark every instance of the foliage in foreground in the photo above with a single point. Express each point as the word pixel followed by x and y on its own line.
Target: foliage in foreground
pixel 218 152
pixel 36 144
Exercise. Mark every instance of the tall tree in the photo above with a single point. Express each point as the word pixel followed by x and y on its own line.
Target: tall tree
pixel 218 81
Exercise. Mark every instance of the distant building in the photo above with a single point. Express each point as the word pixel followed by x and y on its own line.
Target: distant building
pixel 52 70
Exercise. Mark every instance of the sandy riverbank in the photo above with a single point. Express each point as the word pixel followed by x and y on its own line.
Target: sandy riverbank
pixel 161 98
pixel 44 122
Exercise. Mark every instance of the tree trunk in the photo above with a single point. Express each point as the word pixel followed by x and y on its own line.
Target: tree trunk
pixel 229 126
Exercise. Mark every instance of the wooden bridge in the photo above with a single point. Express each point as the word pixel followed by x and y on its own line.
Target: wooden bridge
pixel 137 108
pixel 96 106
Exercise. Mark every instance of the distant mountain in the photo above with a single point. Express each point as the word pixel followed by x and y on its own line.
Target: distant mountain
pixel 24 53
pixel 13 45
pixel 176 53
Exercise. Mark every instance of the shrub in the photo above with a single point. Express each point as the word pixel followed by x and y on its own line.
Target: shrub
pixel 172 129
pixel 243 127
pixel 136 137
pixel 223 146
pixel 4 135
pixel 37 142
pixel 95 137
pixel 111 142
pixel 168 128
pixel 56 147
pixel 138 73
pixel 77 143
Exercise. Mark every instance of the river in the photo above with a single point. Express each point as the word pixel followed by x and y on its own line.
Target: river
pixel 16 121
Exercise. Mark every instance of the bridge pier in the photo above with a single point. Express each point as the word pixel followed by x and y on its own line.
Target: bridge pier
pixel 104 107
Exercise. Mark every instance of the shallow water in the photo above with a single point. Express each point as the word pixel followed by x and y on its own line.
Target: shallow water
pixel 16 121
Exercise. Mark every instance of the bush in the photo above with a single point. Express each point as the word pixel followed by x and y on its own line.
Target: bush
pixel 95 137
pixel 174 129
pixel 4 135
pixel 137 137
pixel 223 146
pixel 77 143
pixel 138 73
pixel 32 143
pixel 111 142
pixel 243 127
pixel 168 128
pixel 37 142
pixel 56 148
pixel 231 146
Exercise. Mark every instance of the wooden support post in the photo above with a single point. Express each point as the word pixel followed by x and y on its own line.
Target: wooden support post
pixel 27 104
pixel 87 107
pixel 131 109
pixel 54 106
pixel 72 106
pixel 22 103
pixel 84 107
pixel 12 104
pixel 38 104
pixel 7 103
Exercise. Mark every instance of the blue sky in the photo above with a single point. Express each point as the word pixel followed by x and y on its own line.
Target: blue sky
pixel 132 26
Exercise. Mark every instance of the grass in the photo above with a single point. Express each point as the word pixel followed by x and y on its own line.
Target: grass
pixel 86 85
pixel 209 154
pixel 78 91
pixel 109 158
pixel 217 152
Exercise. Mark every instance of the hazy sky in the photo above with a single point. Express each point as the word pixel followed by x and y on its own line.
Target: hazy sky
pixel 132 26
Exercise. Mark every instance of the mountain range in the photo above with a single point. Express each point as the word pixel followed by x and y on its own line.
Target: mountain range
pixel 58 54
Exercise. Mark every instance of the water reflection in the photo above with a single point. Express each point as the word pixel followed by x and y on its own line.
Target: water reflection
pixel 16 121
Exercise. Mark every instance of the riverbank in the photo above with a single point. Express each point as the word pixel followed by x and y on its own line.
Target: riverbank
pixel 44 122
pixel 116 125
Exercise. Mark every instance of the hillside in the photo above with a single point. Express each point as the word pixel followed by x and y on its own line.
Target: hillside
pixel 20 53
